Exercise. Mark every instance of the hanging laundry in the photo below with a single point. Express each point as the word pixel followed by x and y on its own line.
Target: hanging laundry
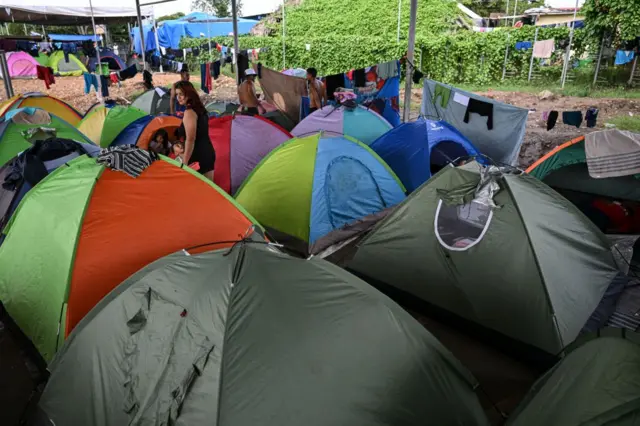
pixel 592 117
pixel 179 66
pixel 45 74
pixel 359 78
pixel 624 56
pixel 243 64
pixel 572 118
pixel 332 83
pixel 259 70
pixel 305 107
pixel 545 115
pixel 205 77
pixel 482 108
pixel 417 76
pixel 523 45
pixel 461 99
pixel 90 80
pixel 68 48
pixel 388 70
pixel 104 85
pixel 127 158
pixel 215 69
pixel 544 48
pixel 8 45
pixel 442 92
pixel 147 79
pixel 218 48
pixel 551 121
pixel 114 78
pixel 128 73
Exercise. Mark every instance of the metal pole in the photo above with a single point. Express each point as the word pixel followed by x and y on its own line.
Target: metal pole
pixel 129 35
pixel 633 70
pixel 566 58
pixel 535 39
pixel 25 29
pixel 95 37
pixel 399 18
pixel 284 35
pixel 515 12
pixel 506 13
pixel 595 76
pixel 236 44
pixel 506 56
pixel 155 32
pixel 44 33
pixel 8 87
pixel 142 46
pixel 410 55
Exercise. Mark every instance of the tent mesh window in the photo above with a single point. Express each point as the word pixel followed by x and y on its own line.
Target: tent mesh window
pixel 460 227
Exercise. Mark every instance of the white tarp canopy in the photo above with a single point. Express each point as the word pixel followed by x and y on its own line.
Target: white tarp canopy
pixel 69 12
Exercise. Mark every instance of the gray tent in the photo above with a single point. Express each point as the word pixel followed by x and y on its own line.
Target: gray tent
pixel 532 268
pixel 498 137
pixel 155 101
pixel 597 384
pixel 254 337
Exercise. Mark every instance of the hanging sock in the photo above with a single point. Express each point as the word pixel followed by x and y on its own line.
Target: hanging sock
pixel 551 122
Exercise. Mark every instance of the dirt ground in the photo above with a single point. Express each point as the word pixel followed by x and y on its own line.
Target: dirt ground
pixel 537 139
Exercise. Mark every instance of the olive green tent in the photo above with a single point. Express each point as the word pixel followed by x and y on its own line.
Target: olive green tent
pixel 254 337
pixel 153 102
pixel 532 268
pixel 69 66
pixel 596 384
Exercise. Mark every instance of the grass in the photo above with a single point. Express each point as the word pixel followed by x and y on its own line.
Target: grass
pixel 569 90
pixel 625 122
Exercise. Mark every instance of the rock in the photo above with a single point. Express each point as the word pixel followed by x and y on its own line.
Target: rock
pixel 546 95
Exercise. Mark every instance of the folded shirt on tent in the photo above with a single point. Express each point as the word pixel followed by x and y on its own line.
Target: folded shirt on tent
pixel 624 56
pixel 544 48
pixel 127 158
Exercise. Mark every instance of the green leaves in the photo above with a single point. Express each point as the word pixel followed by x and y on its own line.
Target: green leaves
pixel 619 17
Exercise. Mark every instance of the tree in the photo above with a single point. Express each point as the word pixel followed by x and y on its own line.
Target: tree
pixel 220 8
pixel 485 8
pixel 170 17
pixel 619 17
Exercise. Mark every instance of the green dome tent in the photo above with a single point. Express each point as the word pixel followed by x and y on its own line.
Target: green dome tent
pixel 61 67
pixel 153 102
pixel 532 268
pixel 103 125
pixel 252 336
pixel 596 384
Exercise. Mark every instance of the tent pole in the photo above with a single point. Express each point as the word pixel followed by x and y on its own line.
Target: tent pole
pixel 8 87
pixel 515 12
pixel 236 44
pixel 410 60
pixel 95 37
pixel 399 18
pixel 535 39
pixel 595 76
pixel 142 46
pixel 155 32
pixel 284 34
pixel 566 58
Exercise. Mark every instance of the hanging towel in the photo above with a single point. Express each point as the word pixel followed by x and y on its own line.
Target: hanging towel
pixel 104 85
pixel 333 82
pixel 216 69
pixel 444 93
pixel 359 78
pixel 127 158
pixel 114 78
pixel 523 45
pixel 592 117
pixel 128 73
pixel 544 48
pixel 572 118
pixel 388 70
pixel 45 74
pixel 89 81
pixel 612 153
pixel 481 108
pixel 624 56
pixel 551 121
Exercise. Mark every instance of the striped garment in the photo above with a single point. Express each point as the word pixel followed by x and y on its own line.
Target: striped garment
pixel 127 158
pixel 612 153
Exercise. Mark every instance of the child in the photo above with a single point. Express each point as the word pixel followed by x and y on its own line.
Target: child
pixel 160 142
pixel 177 150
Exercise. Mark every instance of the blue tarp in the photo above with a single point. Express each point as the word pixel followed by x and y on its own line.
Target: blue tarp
pixel 65 37
pixel 412 149
pixel 196 24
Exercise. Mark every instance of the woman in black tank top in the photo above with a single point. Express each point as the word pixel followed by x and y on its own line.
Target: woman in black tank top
pixel 197 147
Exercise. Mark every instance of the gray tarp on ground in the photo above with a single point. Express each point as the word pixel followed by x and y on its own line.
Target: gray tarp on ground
pixel 254 337
pixel 502 143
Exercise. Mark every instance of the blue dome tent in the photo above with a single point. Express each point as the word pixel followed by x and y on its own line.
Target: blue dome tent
pixel 107 56
pixel 418 149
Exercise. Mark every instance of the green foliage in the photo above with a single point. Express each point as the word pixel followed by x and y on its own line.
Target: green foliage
pixel 170 17
pixel 621 17
pixel 625 122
